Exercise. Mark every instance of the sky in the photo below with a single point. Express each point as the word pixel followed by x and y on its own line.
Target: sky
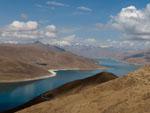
pixel 103 23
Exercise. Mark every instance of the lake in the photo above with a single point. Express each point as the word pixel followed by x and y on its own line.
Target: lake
pixel 15 94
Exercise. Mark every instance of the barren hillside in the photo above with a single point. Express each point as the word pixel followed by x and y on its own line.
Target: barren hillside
pixel 34 60
pixel 129 94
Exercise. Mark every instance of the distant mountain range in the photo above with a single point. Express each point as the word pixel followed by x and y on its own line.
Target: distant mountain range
pixel 95 52
pixel 132 56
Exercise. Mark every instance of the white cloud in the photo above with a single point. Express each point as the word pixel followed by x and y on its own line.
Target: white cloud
pixel 50 31
pixel 133 25
pixel 86 41
pixel 84 9
pixel 30 31
pixel 70 39
pixel 133 22
pixel 90 40
pixel 56 4
pixel 39 5
pixel 127 44
pixel 61 41
pixel 17 25
pixel 27 30
pixel 104 46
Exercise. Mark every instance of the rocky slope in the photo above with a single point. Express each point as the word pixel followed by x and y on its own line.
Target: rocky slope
pixel 33 60
pixel 128 94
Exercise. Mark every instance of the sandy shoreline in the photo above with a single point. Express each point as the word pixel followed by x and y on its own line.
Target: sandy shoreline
pixel 52 74
pixel 80 69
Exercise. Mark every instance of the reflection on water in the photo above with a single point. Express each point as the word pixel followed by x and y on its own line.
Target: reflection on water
pixel 12 95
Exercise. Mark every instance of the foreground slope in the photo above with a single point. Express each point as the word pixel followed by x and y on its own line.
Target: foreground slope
pixel 129 94
pixel 28 61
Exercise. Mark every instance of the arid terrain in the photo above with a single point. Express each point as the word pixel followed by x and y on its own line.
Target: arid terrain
pixel 128 94
pixel 138 57
pixel 28 61
pixel 131 56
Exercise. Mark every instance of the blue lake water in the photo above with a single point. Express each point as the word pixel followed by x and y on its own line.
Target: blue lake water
pixel 15 94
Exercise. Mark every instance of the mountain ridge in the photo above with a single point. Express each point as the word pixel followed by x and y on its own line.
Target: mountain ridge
pixel 19 61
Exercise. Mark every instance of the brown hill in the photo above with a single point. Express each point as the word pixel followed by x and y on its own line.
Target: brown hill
pixel 13 70
pixel 138 57
pixel 33 60
pixel 128 94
